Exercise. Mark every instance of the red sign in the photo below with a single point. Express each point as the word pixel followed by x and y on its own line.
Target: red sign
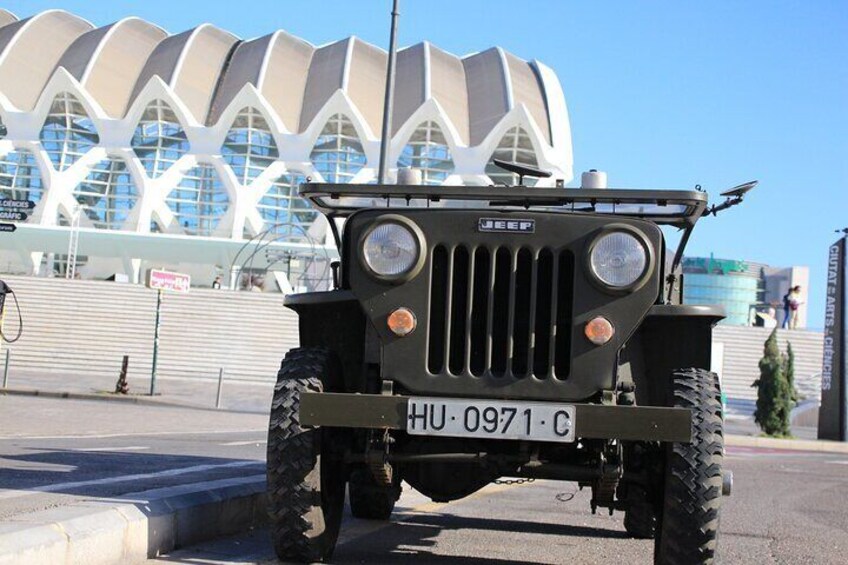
pixel 166 280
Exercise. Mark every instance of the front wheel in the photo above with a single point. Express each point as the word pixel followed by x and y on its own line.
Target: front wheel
pixel 687 524
pixel 306 483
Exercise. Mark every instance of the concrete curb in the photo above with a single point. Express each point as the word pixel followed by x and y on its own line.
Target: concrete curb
pixel 134 527
pixel 110 397
pixel 820 446
pixel 131 399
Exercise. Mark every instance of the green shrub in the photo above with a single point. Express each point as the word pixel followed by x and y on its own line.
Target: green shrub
pixel 774 391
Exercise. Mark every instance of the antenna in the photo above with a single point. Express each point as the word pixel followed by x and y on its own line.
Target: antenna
pixel 521 170
pixel 388 103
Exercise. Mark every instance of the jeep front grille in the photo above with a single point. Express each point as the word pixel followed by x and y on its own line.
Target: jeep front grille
pixel 500 312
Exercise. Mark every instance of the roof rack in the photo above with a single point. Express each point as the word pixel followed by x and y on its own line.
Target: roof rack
pixel 680 208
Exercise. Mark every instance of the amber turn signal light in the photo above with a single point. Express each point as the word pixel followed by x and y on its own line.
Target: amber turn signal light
pixel 401 322
pixel 599 330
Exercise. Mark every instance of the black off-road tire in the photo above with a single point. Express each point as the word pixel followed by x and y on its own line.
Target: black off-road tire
pixel 369 500
pixel 305 486
pixel 640 520
pixel 687 522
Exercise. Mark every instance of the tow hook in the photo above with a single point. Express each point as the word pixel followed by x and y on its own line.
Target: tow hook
pixel 726 482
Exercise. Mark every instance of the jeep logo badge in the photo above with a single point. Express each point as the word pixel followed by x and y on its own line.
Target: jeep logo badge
pixel 509 226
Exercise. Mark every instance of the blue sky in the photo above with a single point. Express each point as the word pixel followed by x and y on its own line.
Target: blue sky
pixel 661 94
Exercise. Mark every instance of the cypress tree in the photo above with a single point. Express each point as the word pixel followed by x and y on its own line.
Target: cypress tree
pixel 774 397
pixel 789 371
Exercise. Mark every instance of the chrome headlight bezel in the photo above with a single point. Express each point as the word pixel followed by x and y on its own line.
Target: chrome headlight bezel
pixel 641 239
pixel 417 236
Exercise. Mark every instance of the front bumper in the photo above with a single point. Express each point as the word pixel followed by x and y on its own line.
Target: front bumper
pixel 592 421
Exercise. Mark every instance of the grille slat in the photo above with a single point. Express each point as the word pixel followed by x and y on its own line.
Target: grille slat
pixel 500 312
pixel 531 322
pixel 447 310
pixel 552 343
pixel 480 325
pixel 490 309
pixel 458 306
pixel 510 325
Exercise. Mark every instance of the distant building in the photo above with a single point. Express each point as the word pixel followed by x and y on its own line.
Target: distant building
pixel 174 150
pixel 751 293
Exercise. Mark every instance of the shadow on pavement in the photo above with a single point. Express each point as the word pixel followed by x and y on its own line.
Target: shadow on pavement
pixel 414 539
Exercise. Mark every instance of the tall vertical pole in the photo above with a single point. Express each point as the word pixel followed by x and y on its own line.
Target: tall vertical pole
pixel 390 96
pixel 156 342
pixel 6 369
pixel 220 387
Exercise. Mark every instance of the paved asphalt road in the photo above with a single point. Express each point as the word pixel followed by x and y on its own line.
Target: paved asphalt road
pixel 787 507
pixel 56 451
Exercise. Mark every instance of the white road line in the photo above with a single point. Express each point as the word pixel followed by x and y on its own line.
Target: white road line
pixel 138 434
pixel 839 462
pixel 249 442
pixel 6 494
pixel 126 448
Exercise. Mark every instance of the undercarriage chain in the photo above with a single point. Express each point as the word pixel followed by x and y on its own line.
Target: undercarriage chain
pixel 513 481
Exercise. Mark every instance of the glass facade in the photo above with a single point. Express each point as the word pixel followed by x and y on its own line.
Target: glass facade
pixel 68 133
pixel 199 201
pixel 20 178
pixel 737 293
pixel 249 146
pixel 108 194
pixel 428 151
pixel 515 147
pixel 159 139
pixel 338 153
pixel 283 210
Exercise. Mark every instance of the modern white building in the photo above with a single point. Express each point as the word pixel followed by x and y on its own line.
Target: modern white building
pixel 160 150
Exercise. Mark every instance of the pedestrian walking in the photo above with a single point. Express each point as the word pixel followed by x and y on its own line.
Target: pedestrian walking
pixel 794 305
pixel 791 302
pixel 216 284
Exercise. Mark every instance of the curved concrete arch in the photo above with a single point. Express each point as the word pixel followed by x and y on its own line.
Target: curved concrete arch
pixel 528 89
pixel 30 50
pixel 411 84
pixel 7 17
pixel 62 81
pixel 489 92
pixel 366 83
pixel 278 66
pixel 560 124
pixel 190 63
pixel 429 111
pixel 248 97
pixel 327 73
pixel 107 61
pixel 448 85
pixel 153 90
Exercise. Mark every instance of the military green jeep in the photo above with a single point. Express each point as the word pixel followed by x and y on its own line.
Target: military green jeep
pixel 475 333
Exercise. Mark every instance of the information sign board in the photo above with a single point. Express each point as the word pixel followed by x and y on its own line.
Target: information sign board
pixel 12 204
pixel 167 280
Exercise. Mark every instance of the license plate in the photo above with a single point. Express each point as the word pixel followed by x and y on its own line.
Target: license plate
pixel 497 419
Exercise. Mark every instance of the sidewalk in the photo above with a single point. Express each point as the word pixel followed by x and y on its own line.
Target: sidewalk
pixel 117 482
pixel 241 395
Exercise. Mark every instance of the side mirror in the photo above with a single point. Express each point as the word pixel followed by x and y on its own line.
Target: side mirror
pixel 733 197
pixel 3 131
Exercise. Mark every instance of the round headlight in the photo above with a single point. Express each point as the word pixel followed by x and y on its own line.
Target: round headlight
pixel 390 249
pixel 619 259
